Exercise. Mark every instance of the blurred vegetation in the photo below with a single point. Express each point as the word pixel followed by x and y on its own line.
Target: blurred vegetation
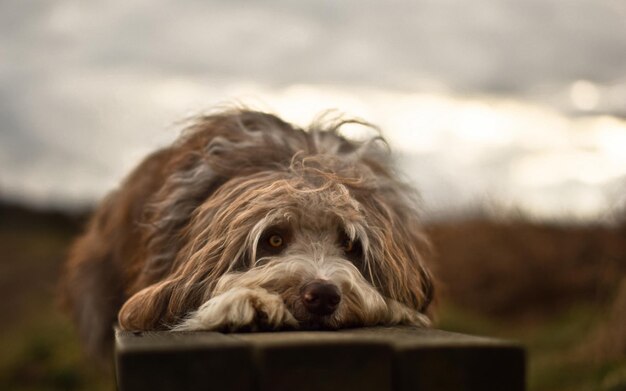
pixel 39 348
pixel 558 289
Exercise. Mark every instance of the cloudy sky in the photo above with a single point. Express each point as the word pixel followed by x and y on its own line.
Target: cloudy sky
pixel 516 104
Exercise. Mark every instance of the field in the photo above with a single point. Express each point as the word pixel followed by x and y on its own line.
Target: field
pixel 558 289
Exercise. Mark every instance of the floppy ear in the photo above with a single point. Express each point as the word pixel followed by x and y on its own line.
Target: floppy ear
pixel 184 288
pixel 411 249
pixel 398 249
pixel 146 309
pixel 160 305
pixel 215 242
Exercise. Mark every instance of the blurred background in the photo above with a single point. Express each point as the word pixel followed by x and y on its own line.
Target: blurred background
pixel 508 116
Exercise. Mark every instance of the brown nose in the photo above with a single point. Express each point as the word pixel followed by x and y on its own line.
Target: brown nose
pixel 320 297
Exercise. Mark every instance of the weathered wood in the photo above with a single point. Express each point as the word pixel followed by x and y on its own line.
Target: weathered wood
pixel 182 361
pixel 429 359
pixel 320 361
pixel 397 358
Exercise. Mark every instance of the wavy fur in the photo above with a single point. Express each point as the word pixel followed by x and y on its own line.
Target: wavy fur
pixel 180 245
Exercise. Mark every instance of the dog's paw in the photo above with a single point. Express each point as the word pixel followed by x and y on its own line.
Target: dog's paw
pixel 241 309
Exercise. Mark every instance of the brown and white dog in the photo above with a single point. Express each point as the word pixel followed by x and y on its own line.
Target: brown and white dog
pixel 250 223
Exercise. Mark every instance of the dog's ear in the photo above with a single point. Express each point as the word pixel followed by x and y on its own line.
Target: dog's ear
pixel 398 249
pixel 159 306
pixel 164 303
pixel 145 309
pixel 214 241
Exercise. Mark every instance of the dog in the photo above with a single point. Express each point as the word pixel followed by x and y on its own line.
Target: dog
pixel 249 223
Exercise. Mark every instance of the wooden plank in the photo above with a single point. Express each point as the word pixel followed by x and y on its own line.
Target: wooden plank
pixel 395 358
pixel 320 361
pixel 182 361
pixel 430 360
pixel 460 369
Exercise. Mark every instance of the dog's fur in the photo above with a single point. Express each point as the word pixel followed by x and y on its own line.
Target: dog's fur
pixel 182 244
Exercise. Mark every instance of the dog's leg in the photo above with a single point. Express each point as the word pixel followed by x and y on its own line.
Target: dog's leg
pixel 240 309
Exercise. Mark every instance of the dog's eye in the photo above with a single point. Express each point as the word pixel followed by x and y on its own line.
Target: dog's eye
pixel 347 245
pixel 350 247
pixel 275 240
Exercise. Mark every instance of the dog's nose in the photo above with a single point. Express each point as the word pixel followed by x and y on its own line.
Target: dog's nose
pixel 320 297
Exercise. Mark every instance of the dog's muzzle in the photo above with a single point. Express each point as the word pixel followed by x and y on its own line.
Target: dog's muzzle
pixel 320 297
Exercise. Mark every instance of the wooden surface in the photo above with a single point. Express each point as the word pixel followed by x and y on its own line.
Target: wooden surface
pixel 398 358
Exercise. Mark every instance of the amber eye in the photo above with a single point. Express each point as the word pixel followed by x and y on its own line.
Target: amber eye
pixel 275 241
pixel 347 245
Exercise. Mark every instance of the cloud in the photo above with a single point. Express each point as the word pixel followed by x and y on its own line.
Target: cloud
pixel 90 88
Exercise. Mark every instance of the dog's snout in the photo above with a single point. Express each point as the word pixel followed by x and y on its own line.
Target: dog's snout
pixel 320 297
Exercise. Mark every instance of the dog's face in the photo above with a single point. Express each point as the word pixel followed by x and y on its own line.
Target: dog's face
pixel 307 244
pixel 303 236
pixel 328 240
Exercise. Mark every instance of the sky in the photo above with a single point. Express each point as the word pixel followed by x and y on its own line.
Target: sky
pixel 517 105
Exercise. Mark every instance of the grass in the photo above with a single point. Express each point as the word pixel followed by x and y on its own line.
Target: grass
pixel 39 349
pixel 41 353
pixel 557 359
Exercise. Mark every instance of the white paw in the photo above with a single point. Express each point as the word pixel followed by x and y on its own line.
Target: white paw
pixel 240 309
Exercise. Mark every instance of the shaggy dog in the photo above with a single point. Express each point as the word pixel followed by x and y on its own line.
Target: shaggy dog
pixel 249 223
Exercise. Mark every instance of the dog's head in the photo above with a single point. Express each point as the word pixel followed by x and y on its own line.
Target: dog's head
pixel 319 221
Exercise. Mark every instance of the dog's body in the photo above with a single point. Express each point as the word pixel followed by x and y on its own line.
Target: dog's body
pixel 248 223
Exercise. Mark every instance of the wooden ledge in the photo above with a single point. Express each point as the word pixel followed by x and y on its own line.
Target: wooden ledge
pixel 395 358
